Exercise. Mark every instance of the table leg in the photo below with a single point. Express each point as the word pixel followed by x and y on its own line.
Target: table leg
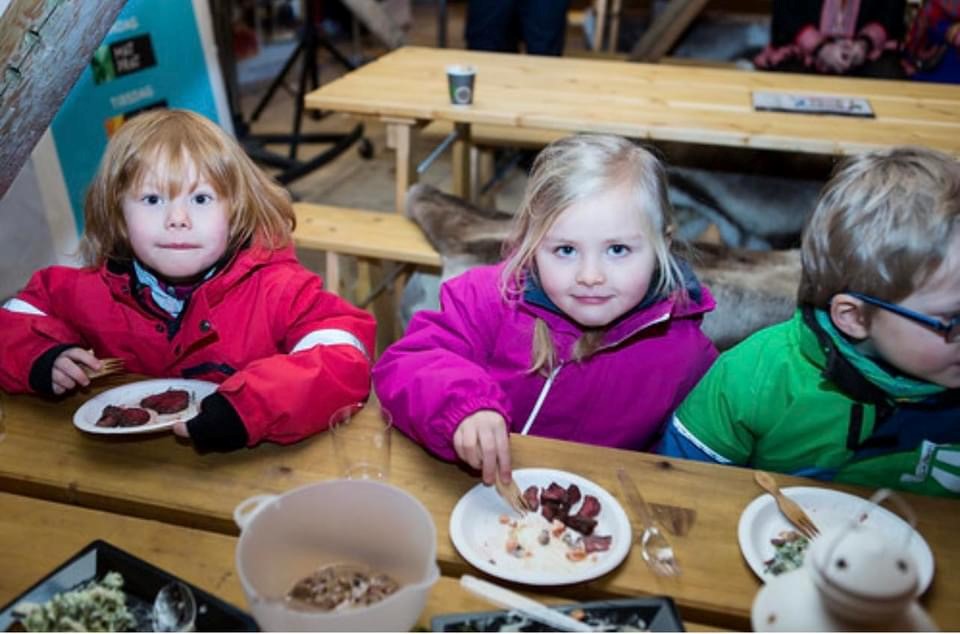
pixel 402 137
pixel 461 161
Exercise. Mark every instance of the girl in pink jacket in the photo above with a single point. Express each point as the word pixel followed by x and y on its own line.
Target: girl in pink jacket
pixel 192 274
pixel 589 331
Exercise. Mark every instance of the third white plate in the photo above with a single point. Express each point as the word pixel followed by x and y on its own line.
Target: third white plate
pixel 762 520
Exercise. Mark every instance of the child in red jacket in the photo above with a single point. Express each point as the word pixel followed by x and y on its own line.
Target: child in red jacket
pixel 192 274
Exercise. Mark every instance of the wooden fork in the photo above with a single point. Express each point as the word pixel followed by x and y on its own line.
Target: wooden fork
pixel 512 495
pixel 788 507
pixel 107 367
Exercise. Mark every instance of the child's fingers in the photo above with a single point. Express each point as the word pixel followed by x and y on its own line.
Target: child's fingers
pixel 489 454
pixel 465 444
pixel 503 455
pixel 69 368
pixel 62 381
pixel 83 357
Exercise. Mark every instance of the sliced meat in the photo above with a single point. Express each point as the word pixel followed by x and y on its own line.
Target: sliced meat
pixel 573 494
pixel 552 510
pixel 581 524
pixel 110 417
pixel 169 402
pixel 134 417
pixel 596 543
pixel 590 507
pixel 532 497
pixel 114 416
pixel 554 493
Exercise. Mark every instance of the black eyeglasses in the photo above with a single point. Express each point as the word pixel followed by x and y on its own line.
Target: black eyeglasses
pixel 950 330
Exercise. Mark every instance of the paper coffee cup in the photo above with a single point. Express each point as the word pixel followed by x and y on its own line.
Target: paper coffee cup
pixel 460 81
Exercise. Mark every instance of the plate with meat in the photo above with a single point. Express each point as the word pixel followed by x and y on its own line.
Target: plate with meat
pixel 577 532
pixel 142 407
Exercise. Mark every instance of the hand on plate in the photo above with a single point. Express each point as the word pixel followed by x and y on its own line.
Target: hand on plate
pixel 68 372
pixel 482 442
pixel 180 429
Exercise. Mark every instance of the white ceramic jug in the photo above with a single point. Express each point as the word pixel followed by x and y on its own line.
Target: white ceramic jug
pixel 854 578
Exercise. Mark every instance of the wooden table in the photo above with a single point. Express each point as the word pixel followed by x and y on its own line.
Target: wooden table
pixel 43 456
pixel 407 88
pixel 55 532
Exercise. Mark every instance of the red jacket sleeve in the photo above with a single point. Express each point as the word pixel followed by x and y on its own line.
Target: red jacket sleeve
pixel 30 326
pixel 328 345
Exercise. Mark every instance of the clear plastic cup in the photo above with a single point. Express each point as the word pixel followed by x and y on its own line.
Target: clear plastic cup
pixel 361 442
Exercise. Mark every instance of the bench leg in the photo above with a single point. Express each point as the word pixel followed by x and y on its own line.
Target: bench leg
pixel 332 281
pixel 482 166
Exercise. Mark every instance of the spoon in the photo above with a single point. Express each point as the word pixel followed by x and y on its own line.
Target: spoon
pixel 174 609
pixel 535 610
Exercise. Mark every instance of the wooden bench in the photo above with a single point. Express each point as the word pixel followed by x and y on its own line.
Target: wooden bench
pixel 368 235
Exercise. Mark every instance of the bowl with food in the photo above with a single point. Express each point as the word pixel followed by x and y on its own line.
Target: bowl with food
pixel 341 555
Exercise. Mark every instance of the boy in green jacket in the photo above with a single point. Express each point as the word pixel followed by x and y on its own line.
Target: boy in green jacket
pixel 862 386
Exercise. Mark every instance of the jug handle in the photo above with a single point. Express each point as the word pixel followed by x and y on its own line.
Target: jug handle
pixel 246 510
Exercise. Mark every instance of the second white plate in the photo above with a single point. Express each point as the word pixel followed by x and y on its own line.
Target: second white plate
pixel 130 395
pixel 762 520
pixel 479 536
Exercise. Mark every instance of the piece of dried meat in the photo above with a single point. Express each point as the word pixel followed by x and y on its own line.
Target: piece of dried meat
pixel 169 402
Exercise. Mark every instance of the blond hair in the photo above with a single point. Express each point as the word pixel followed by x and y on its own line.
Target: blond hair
pixel 881 226
pixel 570 170
pixel 258 208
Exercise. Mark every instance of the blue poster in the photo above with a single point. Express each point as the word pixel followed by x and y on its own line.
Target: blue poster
pixel 159 53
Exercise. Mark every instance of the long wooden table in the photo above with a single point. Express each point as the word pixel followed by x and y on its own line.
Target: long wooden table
pixel 50 533
pixel 157 478
pixel 407 88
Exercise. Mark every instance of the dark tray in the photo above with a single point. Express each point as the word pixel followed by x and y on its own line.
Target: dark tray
pixel 657 613
pixel 141 582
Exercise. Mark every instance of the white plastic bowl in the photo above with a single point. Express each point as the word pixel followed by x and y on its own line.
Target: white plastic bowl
pixel 285 538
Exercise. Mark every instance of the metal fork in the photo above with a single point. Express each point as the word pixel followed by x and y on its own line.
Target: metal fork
pixel 107 367
pixel 788 507
pixel 654 545
pixel 512 495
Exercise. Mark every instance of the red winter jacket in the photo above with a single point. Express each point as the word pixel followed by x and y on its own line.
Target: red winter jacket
pixel 286 353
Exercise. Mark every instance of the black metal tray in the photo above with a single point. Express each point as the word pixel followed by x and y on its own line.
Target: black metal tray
pixel 658 614
pixel 141 582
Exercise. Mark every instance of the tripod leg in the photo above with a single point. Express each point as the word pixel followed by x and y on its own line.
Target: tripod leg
pixel 340 57
pixel 309 66
pixel 276 82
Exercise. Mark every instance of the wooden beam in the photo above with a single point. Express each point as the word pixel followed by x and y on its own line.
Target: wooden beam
pixel 44 47
pixel 666 29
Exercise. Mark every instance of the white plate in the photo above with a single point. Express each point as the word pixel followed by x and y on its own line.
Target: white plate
pixel 480 538
pixel 761 521
pixel 130 395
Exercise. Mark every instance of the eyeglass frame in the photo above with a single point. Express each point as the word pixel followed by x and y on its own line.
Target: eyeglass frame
pixel 950 331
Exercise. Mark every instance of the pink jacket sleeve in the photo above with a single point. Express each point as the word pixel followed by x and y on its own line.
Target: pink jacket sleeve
pixel 328 345
pixel 436 375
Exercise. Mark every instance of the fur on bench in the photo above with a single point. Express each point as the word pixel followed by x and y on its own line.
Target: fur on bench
pixel 753 289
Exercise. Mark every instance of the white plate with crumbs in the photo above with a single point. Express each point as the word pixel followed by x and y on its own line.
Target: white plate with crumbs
pixel 131 395
pixel 761 521
pixel 480 534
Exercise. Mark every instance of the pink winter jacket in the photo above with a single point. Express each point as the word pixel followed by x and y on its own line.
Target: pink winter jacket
pixel 475 353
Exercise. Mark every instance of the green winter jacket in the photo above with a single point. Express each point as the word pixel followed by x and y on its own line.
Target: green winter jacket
pixel 786 400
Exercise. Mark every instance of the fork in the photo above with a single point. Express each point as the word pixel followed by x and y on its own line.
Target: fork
pixel 788 507
pixel 512 495
pixel 107 367
pixel 654 545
